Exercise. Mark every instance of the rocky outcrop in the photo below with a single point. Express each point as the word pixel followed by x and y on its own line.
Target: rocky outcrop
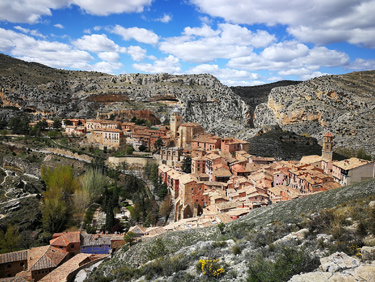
pixel 343 105
pixel 340 267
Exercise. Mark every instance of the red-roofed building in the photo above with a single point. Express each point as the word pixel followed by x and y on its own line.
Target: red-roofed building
pixel 68 241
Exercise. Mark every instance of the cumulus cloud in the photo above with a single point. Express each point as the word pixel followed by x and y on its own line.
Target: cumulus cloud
pixel 361 64
pixel 31 11
pixel 112 57
pixel 139 34
pixel 54 54
pixel 137 53
pixel 225 73
pixel 204 45
pixel 60 26
pixel 169 64
pixel 32 32
pixel 164 19
pixel 98 43
pixel 291 55
pixel 314 21
pixel 291 59
pixel 106 67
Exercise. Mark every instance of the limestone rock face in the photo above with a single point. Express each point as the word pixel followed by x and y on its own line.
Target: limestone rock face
pixel 339 267
pixel 343 105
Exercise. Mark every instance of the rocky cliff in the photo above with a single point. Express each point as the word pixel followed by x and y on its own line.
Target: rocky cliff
pixel 342 104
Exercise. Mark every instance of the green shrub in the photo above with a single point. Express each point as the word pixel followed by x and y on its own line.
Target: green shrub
pixel 236 250
pixel 291 261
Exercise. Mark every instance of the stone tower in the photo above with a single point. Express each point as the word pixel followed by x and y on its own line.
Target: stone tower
pixel 327 150
pixel 175 122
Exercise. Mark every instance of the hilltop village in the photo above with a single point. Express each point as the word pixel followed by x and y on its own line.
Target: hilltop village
pixel 211 180
pixel 223 182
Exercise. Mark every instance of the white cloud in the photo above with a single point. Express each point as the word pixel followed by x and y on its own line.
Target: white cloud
pixel 164 19
pixel 225 73
pixel 315 21
pixel 290 55
pixel 137 53
pixel 169 64
pixel 285 51
pixel 32 32
pixel 112 57
pixel 106 67
pixel 98 43
pixel 204 31
pixel 54 54
pixel 203 44
pixel 242 82
pixel 138 34
pixel 31 11
pixel 60 26
pixel 362 64
pixel 312 75
pixel 291 58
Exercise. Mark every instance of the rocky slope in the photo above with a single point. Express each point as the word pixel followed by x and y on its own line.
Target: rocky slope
pixel 289 237
pixel 45 91
pixel 342 104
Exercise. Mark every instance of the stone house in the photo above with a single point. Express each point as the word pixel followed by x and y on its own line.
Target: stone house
pixel 206 142
pixel 231 145
pixel 198 165
pixel 67 241
pixel 352 170
pixel 108 137
pixel 13 263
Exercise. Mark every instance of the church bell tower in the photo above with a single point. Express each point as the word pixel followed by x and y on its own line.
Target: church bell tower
pixel 327 147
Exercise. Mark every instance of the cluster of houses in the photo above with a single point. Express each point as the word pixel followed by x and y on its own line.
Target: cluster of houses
pixel 226 182
pixel 66 254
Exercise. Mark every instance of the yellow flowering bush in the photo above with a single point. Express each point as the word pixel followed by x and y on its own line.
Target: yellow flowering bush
pixel 211 267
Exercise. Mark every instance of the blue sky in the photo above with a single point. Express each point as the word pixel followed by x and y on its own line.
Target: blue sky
pixel 242 42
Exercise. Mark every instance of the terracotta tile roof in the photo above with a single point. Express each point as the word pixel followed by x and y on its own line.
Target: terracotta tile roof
pixel 185 178
pixel 45 257
pixel 351 163
pixel 311 159
pixel 64 239
pixel 222 172
pixel 328 134
pixel 13 279
pixel 14 256
pixel 60 274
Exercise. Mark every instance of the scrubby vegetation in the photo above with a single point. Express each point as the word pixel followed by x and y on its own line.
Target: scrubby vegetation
pixel 260 246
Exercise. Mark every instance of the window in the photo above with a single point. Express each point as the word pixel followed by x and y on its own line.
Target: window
pixel 9 265
pixel 72 246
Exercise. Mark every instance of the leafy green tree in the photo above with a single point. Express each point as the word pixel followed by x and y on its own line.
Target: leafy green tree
pixel 158 143
pixel 166 207
pixel 94 182
pixel 186 165
pixel 130 237
pixel 110 217
pixel 142 148
pixel 10 240
pixel 42 125
pixel 56 124
pixel 19 125
pixel 57 204
pixel 129 150
pixel 68 122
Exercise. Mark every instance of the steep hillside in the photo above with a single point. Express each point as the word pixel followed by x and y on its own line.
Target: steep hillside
pixel 255 95
pixel 309 228
pixel 45 91
pixel 342 104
